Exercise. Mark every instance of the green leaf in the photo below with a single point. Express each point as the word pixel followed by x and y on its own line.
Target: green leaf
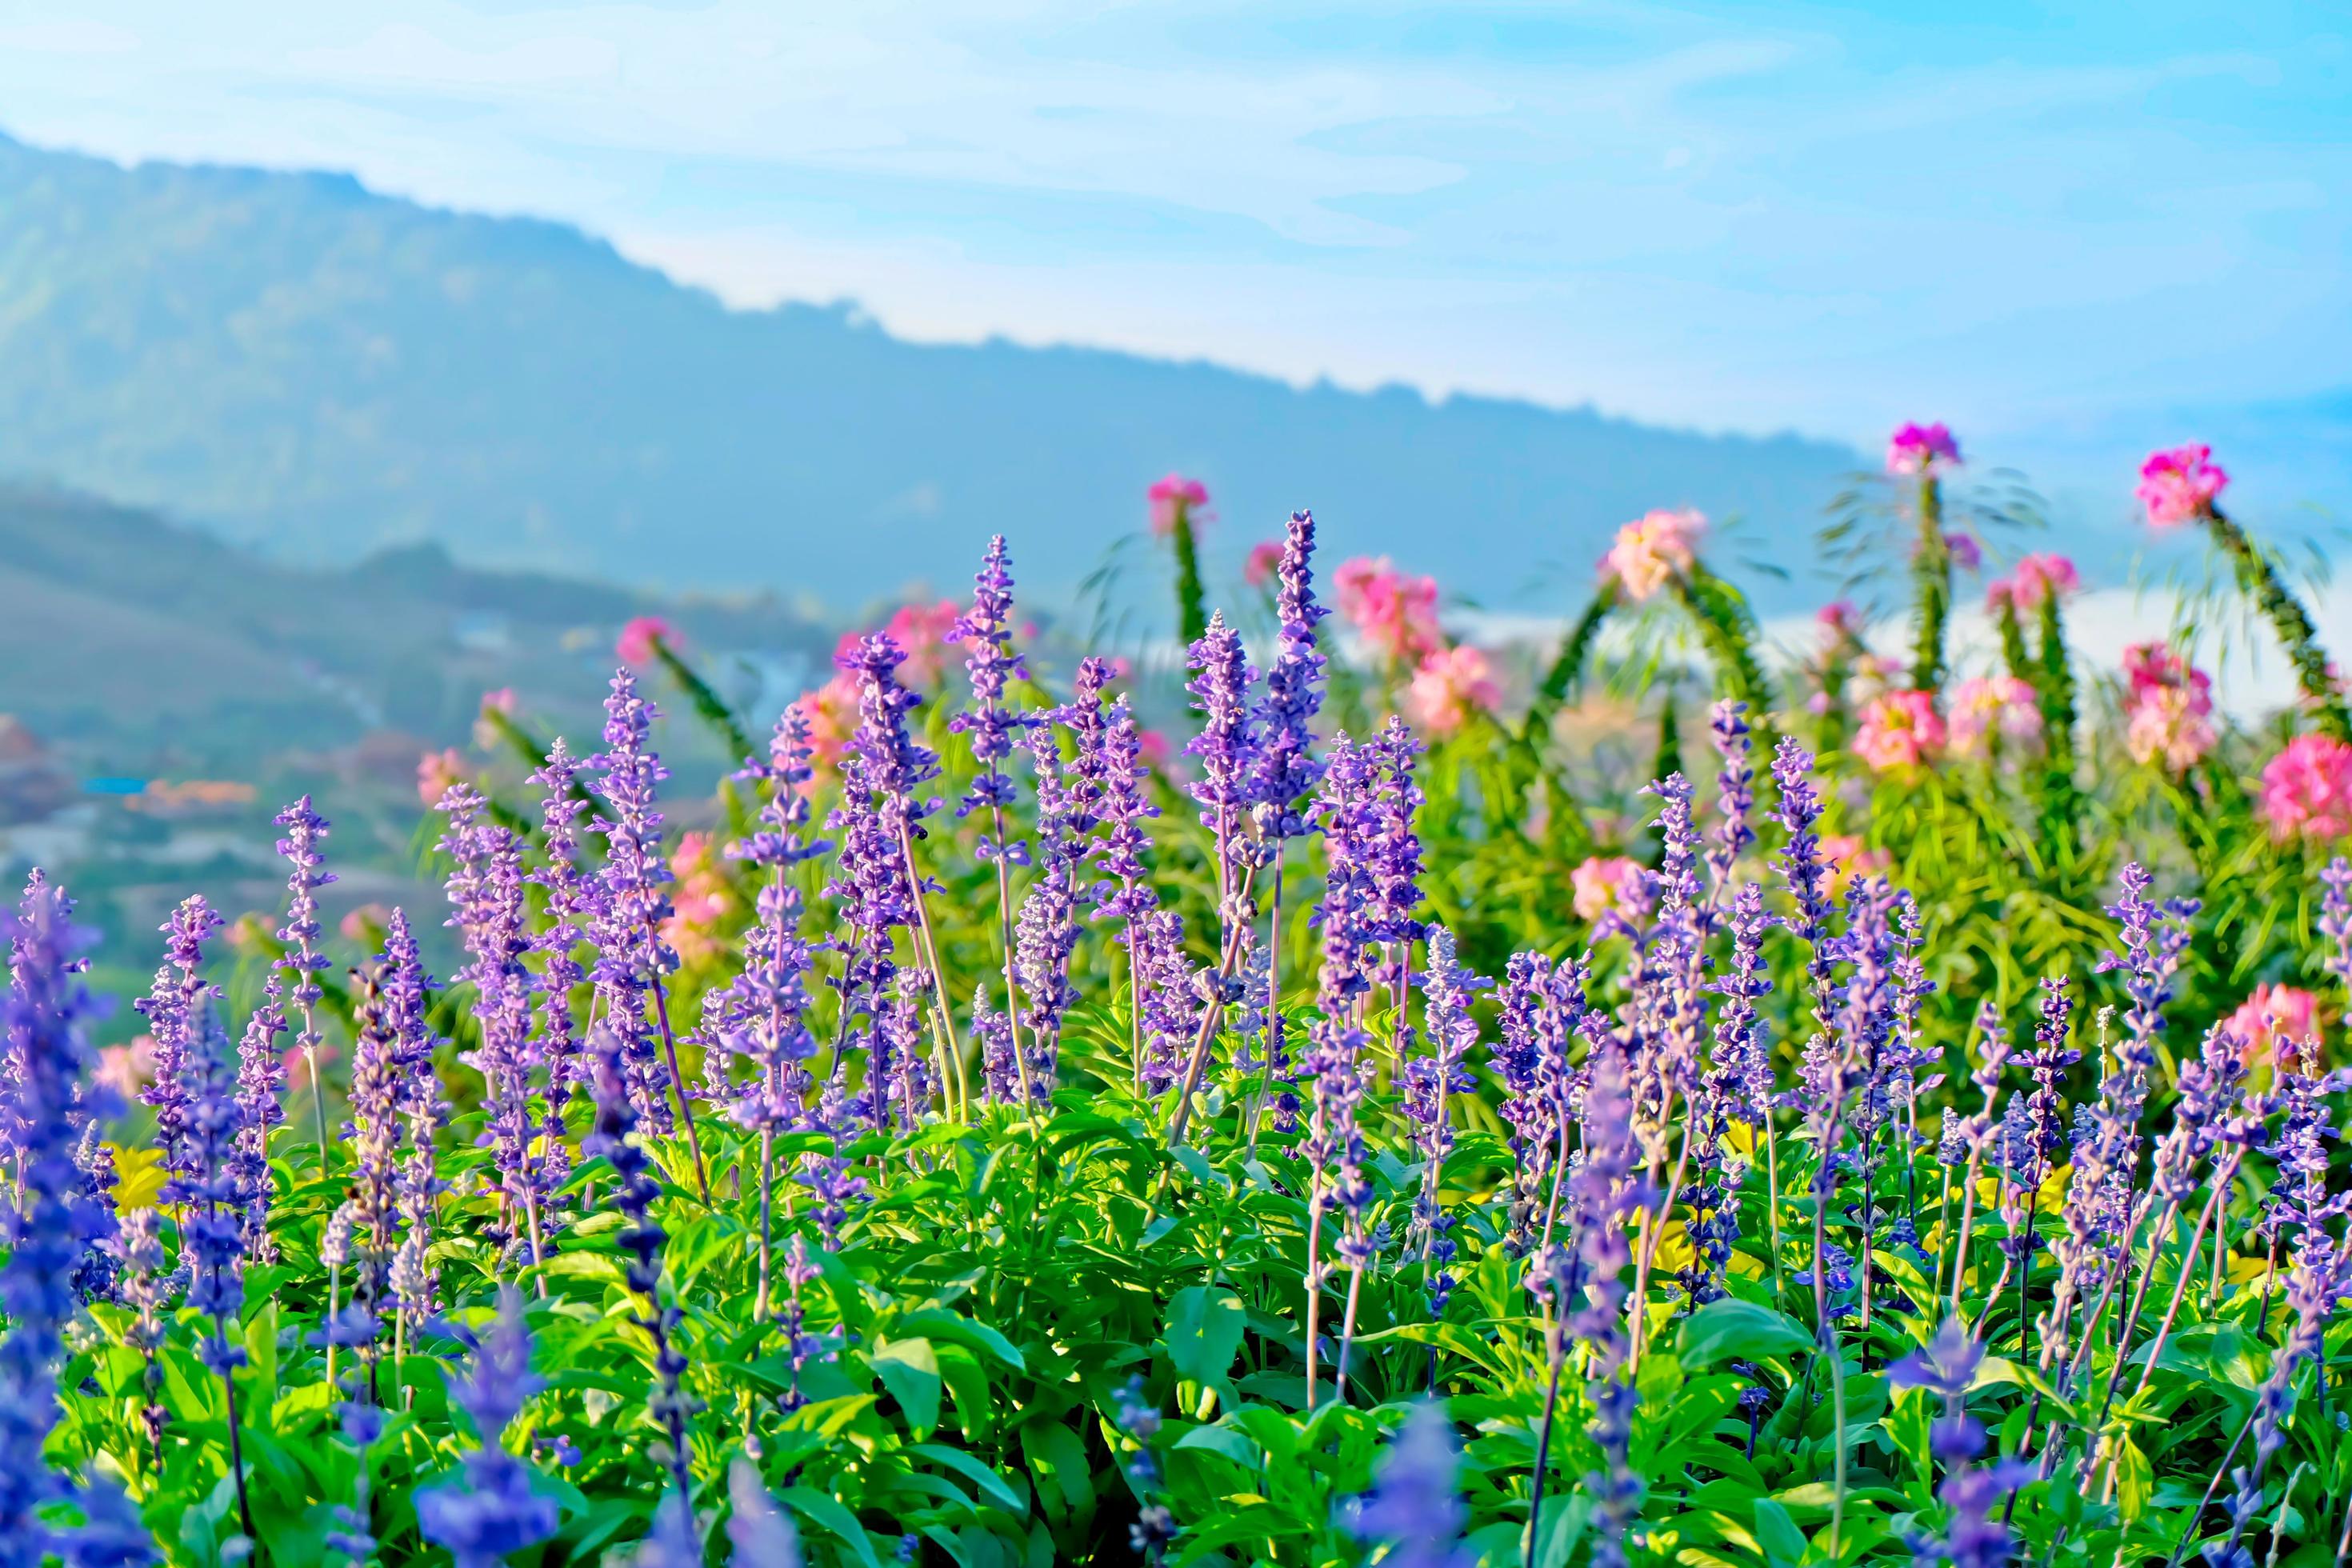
pixel 818 1509
pixel 1205 1335
pixel 2134 1479
pixel 1058 1457
pixel 1783 1542
pixel 1733 1330
pixel 910 1369
pixel 1224 1442
pixel 991 1485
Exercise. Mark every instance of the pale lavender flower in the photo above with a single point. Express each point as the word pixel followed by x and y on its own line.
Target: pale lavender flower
pixel 171 1009
pixel 1415 1503
pixel 260 1091
pixel 1284 765
pixel 631 957
pixel 306 830
pixel 1226 748
pixel 1431 1084
pixel 1048 930
pixel 758 1529
pixel 993 726
pixel 486 892
pixel 761 1013
pixel 491 1510
pixel 1126 890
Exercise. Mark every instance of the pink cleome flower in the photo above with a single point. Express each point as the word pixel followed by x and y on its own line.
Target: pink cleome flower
pixel 1394 611
pixel 437 771
pixel 1900 730
pixel 1601 883
pixel 832 713
pixel 1916 448
pixel 2273 1016
pixel 2179 486
pixel 1450 686
pixel 2307 791
pixel 1987 706
pixel 2168 710
pixel 1838 620
pixel 921 632
pixel 1265 558
pixel 2042 576
pixel 1849 858
pixel 1177 495
pixel 637 638
pixel 700 899
pixel 1653 548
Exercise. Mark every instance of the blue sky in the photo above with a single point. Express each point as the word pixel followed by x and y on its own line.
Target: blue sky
pixel 2019 218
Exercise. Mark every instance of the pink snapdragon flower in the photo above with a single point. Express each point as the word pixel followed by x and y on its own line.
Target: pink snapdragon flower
pixel 1173 495
pixel 2179 486
pixel 2307 791
pixel 1264 557
pixel 1917 448
pixel 2273 1016
pixel 437 771
pixel 1653 548
pixel 1602 884
pixel 1900 730
pixel 635 646
pixel 2042 576
pixel 1989 706
pixel 1394 611
pixel 1450 686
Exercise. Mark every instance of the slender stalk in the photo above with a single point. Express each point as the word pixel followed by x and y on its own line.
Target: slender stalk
pixel 677 1090
pixel 1004 927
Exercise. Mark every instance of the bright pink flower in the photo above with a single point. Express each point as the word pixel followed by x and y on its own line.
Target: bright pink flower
pixel 1839 620
pixel 1156 749
pixel 291 1062
pixel 2000 593
pixel 1917 448
pixel 501 699
pixel 365 925
pixel 2169 725
pixel 637 639
pixel 1985 706
pixel 2154 667
pixel 2179 486
pixel 1451 685
pixel 1393 611
pixel 1653 548
pixel 1848 859
pixel 437 771
pixel 699 898
pixel 2307 790
pixel 1265 556
pixel 1600 884
pixel 2273 1016
pixel 921 632
pixel 1900 730
pixel 1175 495
pixel 2038 577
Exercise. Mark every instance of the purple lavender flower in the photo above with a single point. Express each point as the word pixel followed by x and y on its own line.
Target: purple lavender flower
pixel 1430 1083
pixel 491 1511
pixel 829 1177
pixel 1226 748
pixel 486 890
pixel 171 1008
pixel 53 1222
pixel 994 728
pixel 1735 788
pixel 1284 766
pixel 800 1347
pixel 305 831
pixel 1048 931
pixel 1805 869
pixel 261 1097
pixel 1393 856
pixel 631 957
pixel 1126 891
pixel 1415 1502
pixel 758 1528
pixel 1606 1191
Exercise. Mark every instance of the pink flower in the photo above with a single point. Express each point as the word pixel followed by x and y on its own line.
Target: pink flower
pixel 437 771
pixel 1986 706
pixel 2307 790
pixel 1848 859
pixel 1177 496
pixel 2042 576
pixel 2154 667
pixel 699 900
pixel 2168 726
pixel 2179 486
pixel 502 701
pixel 2273 1016
pixel 296 1069
pixel 1601 883
pixel 1900 730
pixel 921 632
pixel 637 639
pixel 832 713
pixel 365 925
pixel 1393 611
pixel 1156 749
pixel 2001 596
pixel 1653 548
pixel 126 1070
pixel 1967 553
pixel 1451 685
pixel 1839 620
pixel 1265 556
pixel 1917 448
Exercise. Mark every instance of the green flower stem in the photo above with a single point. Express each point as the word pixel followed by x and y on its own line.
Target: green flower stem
pixel 1931 572
pixel 2260 578
pixel 1192 599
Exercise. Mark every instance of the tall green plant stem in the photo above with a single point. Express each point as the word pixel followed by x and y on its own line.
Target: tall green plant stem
pixel 1931 573
pixel 2259 577
pixel 1192 599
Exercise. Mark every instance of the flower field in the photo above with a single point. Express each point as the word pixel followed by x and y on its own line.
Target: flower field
pixel 1888 1119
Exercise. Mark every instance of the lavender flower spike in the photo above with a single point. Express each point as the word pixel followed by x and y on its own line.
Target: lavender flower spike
pixel 994 728
pixel 1415 1501
pixel 305 831
pixel 760 1530
pixel 491 1510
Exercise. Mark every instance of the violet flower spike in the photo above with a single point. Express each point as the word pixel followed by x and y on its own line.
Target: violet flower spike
pixel 491 1510
pixel 305 831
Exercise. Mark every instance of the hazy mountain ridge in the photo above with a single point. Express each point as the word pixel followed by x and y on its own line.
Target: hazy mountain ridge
pixel 304 365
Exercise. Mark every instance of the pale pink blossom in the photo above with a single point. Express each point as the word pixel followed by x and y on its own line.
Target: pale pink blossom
pixel 1849 858
pixel 2273 1016
pixel 2154 667
pixel 365 925
pixel 2001 596
pixel 1900 730
pixel 1653 549
pixel 2168 726
pixel 2179 486
pixel 1916 448
pixel 2307 791
pixel 1394 611
pixel 637 639
pixel 1176 495
pixel 1602 884
pixel 832 713
pixel 1451 685
pixel 437 771
pixel 1986 707
pixel 1838 620
pixel 502 701
pixel 1265 558
pixel 293 1061
pixel 699 898
pixel 126 1070
pixel 1158 752
pixel 2042 576
pixel 922 632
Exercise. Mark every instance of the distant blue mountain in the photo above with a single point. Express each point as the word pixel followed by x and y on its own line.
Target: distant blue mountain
pixel 302 365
